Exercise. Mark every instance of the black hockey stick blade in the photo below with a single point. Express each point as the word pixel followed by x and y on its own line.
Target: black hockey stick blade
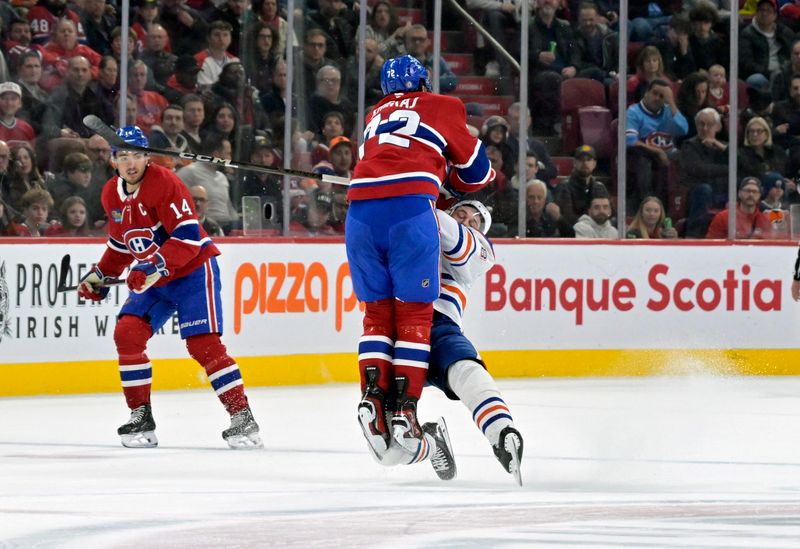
pixel 63 273
pixel 107 132
pixel 106 282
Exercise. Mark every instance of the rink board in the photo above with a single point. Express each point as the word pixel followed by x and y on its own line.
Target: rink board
pixel 548 308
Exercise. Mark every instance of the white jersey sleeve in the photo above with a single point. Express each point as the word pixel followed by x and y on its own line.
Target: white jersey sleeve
pixel 466 255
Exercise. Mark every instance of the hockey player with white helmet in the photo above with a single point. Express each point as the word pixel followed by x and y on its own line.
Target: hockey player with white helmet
pixel 456 367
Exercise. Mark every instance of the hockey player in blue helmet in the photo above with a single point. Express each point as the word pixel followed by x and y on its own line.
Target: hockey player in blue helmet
pixel 154 231
pixel 393 249
pixel 404 74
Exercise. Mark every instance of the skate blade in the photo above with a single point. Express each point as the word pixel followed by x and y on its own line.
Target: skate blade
pixel 146 439
pixel 445 434
pixel 377 444
pixel 515 466
pixel 245 442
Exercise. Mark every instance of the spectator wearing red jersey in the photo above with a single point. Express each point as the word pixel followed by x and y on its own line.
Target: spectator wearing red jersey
pixel 44 16
pixel 750 221
pixel 63 47
pixel 216 56
pixel 37 204
pixel 149 104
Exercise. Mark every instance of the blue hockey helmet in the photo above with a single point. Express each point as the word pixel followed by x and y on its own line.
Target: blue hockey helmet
pixel 133 135
pixel 403 74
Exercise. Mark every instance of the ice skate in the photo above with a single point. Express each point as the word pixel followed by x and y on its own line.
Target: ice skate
pixel 509 452
pixel 243 432
pixel 372 416
pixel 444 464
pixel 139 431
pixel 405 427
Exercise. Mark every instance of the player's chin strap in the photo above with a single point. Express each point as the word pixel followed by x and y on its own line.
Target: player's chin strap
pixel 797 266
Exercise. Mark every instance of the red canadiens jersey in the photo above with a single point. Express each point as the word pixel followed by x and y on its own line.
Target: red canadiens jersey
pixel 410 141
pixel 43 21
pixel 158 217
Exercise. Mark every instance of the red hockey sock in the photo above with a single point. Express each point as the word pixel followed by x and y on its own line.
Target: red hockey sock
pixel 135 369
pixel 412 349
pixel 222 370
pixel 376 346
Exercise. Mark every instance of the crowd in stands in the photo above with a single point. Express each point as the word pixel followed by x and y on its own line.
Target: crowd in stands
pixel 210 77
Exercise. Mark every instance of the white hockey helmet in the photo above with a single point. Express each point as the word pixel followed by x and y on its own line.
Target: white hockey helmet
pixel 486 217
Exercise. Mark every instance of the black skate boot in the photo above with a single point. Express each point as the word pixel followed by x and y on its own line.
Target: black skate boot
pixel 509 452
pixel 243 432
pixel 443 461
pixel 139 431
pixel 405 427
pixel 372 414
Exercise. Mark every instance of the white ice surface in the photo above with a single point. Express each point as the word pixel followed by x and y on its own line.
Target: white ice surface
pixel 690 462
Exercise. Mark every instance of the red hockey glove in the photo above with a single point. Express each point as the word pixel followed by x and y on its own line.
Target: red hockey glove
pixel 91 285
pixel 146 273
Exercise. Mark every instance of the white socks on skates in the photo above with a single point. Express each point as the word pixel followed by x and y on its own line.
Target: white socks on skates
pixel 478 391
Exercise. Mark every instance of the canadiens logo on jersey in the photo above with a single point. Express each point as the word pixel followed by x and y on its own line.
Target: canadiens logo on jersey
pixel 141 242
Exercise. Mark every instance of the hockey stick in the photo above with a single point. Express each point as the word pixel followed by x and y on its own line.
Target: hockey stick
pixel 107 132
pixel 64 273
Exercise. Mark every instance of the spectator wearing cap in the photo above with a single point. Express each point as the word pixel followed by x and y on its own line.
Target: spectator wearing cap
pixel 312 218
pixel 759 154
pixel 574 195
pixel 596 222
pixel 703 168
pixel 750 221
pixel 212 59
pixel 267 186
pixel 186 27
pixel 773 187
pixel 328 97
pixel 157 55
pixel 184 81
pixel 13 129
pixel 75 180
pixel 495 132
pixel 764 44
pixel 145 14
pixel 341 156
